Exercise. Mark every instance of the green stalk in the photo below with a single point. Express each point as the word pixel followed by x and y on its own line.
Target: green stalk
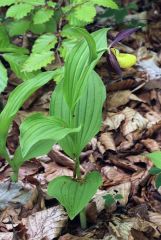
pixel 83 219
pixel 14 176
pixel 82 214
pixel 77 168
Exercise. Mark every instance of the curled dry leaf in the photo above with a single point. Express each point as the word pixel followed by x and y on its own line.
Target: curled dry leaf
pixel 106 139
pixel 122 227
pixel 113 176
pixel 46 224
pixel 120 98
pixel 151 144
pixel 53 170
pixel 134 121
pixel 123 189
pixel 113 120
pixel 125 145
pixel 62 159
pixel 153 118
pixel 155 217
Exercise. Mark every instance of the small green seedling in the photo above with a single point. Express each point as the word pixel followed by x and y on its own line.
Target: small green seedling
pixel 110 199
pixel 155 157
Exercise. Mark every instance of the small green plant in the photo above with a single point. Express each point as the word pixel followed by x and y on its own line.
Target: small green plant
pixel 155 157
pixel 110 199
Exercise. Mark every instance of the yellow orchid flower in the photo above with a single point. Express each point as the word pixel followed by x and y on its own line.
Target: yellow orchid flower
pixel 125 60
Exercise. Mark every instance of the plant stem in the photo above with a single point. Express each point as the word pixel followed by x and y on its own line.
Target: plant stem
pixel 77 168
pixel 14 176
pixel 83 219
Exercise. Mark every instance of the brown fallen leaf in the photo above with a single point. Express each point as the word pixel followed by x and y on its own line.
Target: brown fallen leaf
pixel 53 170
pixel 46 224
pixel 123 189
pixel 155 217
pixel 120 98
pixel 122 227
pixel 113 176
pixel 153 118
pixel 121 85
pixel 29 168
pixel 106 139
pixel 134 121
pixel 151 144
pixel 113 120
pixel 72 237
pixel 62 159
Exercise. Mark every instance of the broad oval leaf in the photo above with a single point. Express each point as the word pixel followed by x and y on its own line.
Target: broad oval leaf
pixel 38 133
pixel 19 11
pixel 3 77
pixel 42 15
pixel 87 113
pixel 16 100
pixel 79 64
pixel 74 195
pixel 155 157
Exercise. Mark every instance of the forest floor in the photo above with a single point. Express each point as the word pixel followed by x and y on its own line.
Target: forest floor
pixel 131 128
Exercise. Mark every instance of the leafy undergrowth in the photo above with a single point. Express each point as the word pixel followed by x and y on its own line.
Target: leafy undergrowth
pixel 131 128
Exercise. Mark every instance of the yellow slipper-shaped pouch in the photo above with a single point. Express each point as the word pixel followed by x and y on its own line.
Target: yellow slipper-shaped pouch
pixel 125 60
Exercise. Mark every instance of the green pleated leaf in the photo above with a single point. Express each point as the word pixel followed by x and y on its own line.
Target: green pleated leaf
pixel 80 63
pixel 38 133
pixel 74 195
pixel 43 15
pixel 154 170
pixel 88 114
pixel 16 62
pixel 16 99
pixel 155 157
pixel 19 11
pixel 3 77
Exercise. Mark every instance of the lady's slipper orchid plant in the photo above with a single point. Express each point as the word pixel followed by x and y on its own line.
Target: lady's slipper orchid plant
pixel 119 60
